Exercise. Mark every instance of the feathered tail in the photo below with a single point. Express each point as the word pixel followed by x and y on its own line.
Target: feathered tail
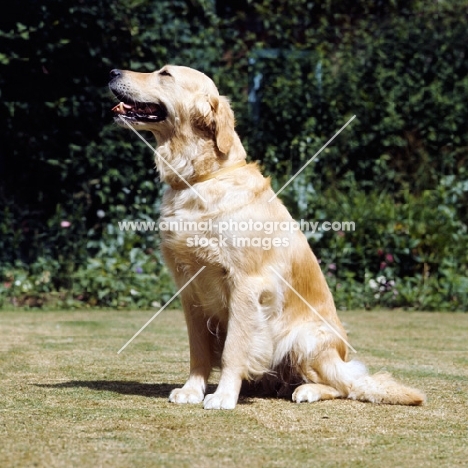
pixel 353 381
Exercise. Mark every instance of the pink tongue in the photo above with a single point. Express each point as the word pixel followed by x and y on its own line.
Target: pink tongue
pixel 121 107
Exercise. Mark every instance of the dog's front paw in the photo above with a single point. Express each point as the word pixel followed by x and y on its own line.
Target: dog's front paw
pixel 186 395
pixel 220 401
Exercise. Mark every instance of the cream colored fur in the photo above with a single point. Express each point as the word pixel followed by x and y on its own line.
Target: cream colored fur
pixel 240 315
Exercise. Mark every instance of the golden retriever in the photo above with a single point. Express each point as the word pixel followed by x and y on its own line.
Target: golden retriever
pixel 260 309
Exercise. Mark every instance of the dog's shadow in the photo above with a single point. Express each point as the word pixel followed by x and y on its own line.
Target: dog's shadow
pixel 149 390
pixel 124 387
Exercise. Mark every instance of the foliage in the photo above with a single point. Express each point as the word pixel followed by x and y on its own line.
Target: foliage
pixel 295 72
pixel 406 251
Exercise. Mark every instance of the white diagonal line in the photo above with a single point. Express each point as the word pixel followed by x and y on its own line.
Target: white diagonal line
pixel 161 309
pixel 312 308
pixel 313 157
pixel 158 155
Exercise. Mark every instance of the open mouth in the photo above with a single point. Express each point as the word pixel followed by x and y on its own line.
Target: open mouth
pixel 141 111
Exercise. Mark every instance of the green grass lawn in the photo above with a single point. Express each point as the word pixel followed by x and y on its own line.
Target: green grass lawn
pixel 69 400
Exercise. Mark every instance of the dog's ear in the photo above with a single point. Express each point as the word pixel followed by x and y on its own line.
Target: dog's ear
pixel 224 123
pixel 215 113
pixel 201 112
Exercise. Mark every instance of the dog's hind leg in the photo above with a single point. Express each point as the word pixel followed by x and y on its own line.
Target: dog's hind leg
pixel 315 392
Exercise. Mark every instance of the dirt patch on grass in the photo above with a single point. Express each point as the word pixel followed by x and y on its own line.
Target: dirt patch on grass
pixel 68 398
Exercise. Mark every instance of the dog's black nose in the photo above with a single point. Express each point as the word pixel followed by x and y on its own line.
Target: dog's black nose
pixel 115 73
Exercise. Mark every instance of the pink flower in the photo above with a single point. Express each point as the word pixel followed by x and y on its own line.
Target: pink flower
pixel 380 252
pixel 65 224
pixel 382 265
pixel 389 258
pixel 332 266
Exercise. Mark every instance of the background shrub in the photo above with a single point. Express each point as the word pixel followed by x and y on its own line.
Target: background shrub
pixel 295 72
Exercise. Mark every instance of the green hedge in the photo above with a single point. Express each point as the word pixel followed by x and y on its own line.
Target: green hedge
pixel 295 73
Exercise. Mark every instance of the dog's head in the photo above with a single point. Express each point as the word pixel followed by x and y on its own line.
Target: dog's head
pixel 170 99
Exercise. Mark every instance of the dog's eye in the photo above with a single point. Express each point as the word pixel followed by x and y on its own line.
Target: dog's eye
pixel 164 73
